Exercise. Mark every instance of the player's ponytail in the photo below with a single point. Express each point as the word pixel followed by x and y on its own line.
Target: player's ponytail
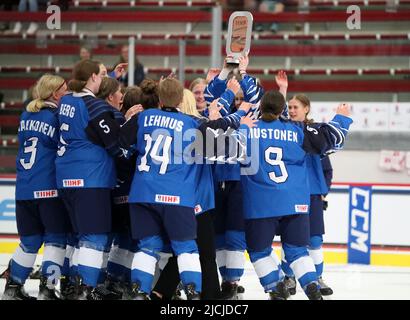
pixel 44 90
pixel 83 71
pixel 76 85
pixel 271 105
pixel 149 97
pixel 269 117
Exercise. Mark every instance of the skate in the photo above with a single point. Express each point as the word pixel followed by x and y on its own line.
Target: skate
pixel 84 293
pixel 177 295
pixel 102 293
pixel 312 291
pixel 229 291
pixel 136 294
pixel 15 291
pixel 280 293
pixel 45 293
pixel 98 293
pixel 154 296
pixel 241 292
pixel 178 292
pixel 191 293
pixel 36 273
pixel 68 290
pixel 290 283
pixel 325 290
pixel 115 286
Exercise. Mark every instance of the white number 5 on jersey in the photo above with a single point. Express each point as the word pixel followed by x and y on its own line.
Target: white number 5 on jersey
pixel 103 126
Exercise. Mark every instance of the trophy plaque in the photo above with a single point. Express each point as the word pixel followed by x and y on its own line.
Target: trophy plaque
pixel 239 35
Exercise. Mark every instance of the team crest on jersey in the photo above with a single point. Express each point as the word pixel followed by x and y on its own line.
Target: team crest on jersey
pixel 164 198
pixel 302 208
pixel 73 183
pixel 198 209
pixel 42 194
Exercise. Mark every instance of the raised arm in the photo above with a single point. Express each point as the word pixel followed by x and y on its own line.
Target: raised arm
pixel 321 138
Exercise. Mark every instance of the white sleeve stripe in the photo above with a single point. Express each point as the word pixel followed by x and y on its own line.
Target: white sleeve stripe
pixel 223 100
pixel 338 125
pixel 251 90
pixel 253 98
pixel 338 132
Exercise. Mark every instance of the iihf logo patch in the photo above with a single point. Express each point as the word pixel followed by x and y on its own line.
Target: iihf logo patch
pixel 164 198
pixel 302 208
pixel 73 183
pixel 45 194
pixel 198 209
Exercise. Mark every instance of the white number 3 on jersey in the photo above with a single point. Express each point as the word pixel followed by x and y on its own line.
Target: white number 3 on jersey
pixel 30 149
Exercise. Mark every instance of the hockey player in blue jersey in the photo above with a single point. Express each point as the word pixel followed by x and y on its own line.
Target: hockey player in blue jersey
pixel 116 254
pixel 40 213
pixel 85 171
pixel 169 278
pixel 217 87
pixel 319 175
pixel 162 197
pixel 276 191
pixel 229 222
pixel 121 252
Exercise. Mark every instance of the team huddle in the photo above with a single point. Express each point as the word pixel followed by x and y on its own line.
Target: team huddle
pixel 139 194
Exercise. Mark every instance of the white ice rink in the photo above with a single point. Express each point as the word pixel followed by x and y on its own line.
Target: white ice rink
pixel 349 282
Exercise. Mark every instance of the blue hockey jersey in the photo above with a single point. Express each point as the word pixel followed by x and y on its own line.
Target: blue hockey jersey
pixel 166 167
pixel 275 181
pixel 317 182
pixel 205 194
pixel 88 142
pixel 217 89
pixel 38 137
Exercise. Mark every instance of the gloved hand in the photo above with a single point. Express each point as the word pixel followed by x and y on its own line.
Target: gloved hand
pixel 325 205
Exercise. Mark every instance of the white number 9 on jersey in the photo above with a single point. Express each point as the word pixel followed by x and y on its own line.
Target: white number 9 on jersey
pixel 276 162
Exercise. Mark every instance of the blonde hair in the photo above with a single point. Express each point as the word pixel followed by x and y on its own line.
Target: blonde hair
pixel 188 105
pixel 197 81
pixel 43 90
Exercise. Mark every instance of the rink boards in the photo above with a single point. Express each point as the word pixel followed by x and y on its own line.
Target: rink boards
pixel 388 230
